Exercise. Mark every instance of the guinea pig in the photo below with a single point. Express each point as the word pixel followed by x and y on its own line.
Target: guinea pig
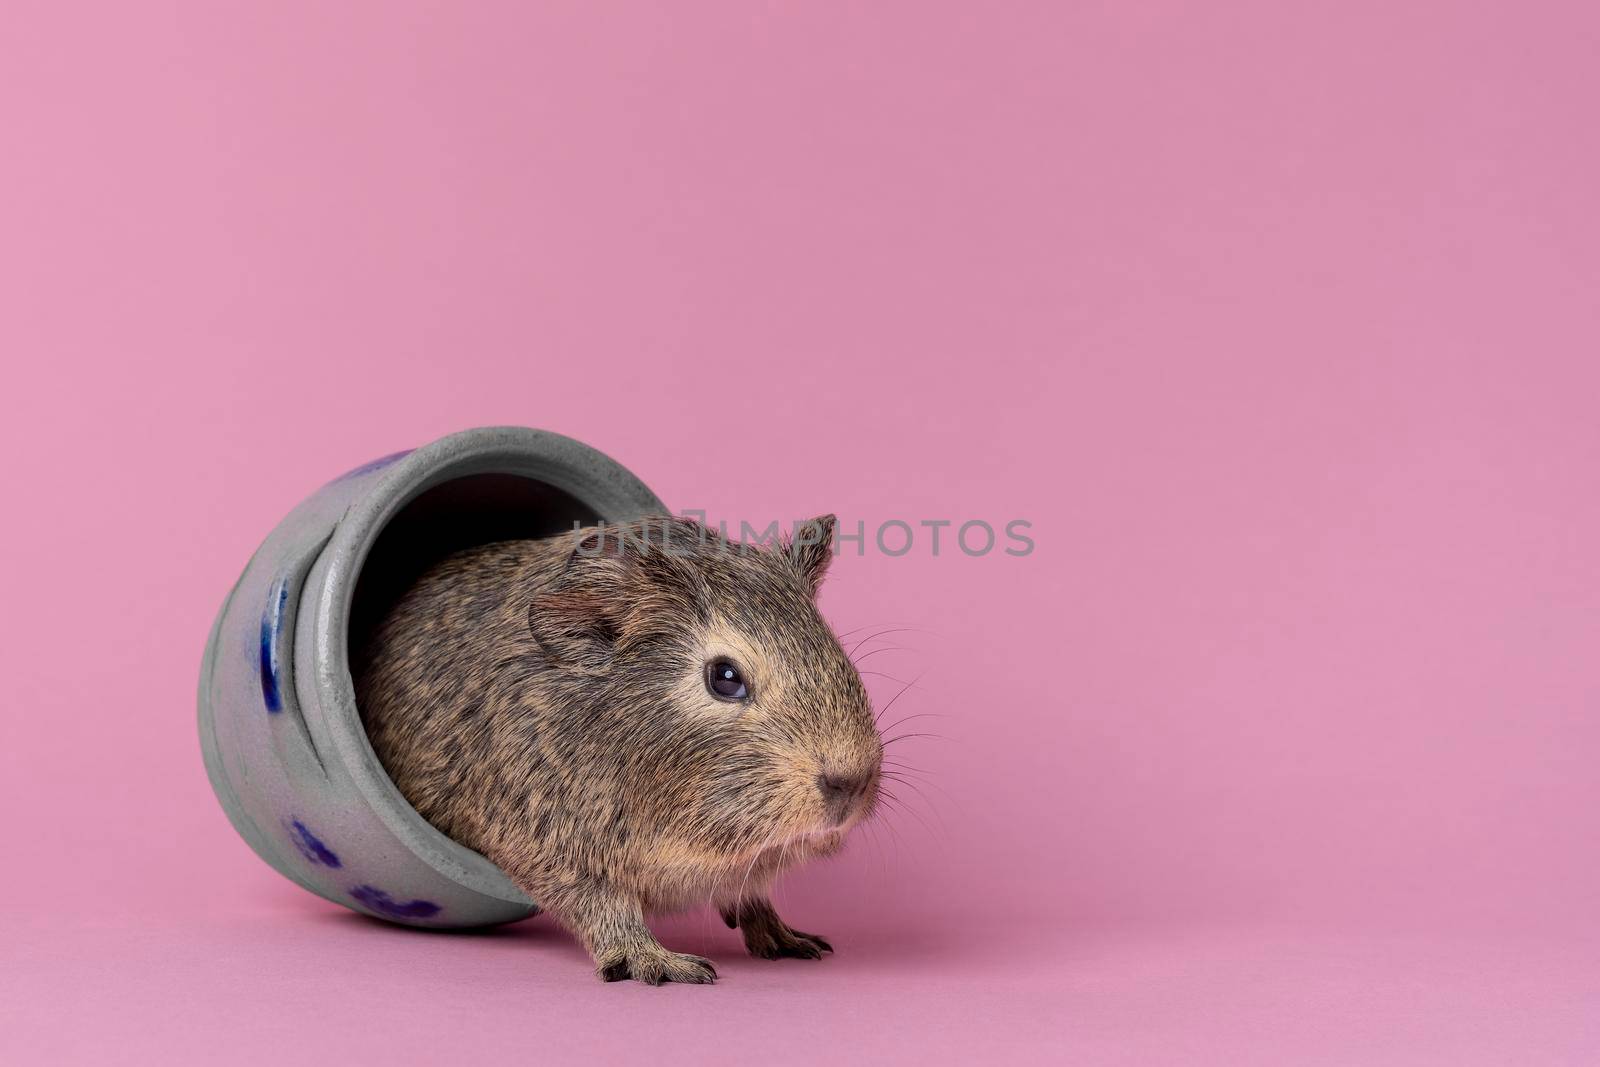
pixel 630 720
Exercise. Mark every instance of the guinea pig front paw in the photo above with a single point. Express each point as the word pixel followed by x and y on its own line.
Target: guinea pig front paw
pixel 769 937
pixel 655 964
pixel 785 943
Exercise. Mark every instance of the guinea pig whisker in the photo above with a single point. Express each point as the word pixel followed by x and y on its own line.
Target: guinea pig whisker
pixel 896 778
pixel 894 838
pixel 881 633
pixel 919 715
pixel 892 678
pixel 888 823
pixel 874 652
pixel 903 737
pixel 901 805
pixel 870 637
pixel 923 778
pixel 900 776
pixel 872 839
pixel 876 718
pixel 906 768
pixel 933 809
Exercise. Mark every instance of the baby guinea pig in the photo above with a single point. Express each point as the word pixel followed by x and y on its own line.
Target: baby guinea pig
pixel 630 720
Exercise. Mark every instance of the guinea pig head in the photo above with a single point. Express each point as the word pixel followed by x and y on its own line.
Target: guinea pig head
pixel 735 721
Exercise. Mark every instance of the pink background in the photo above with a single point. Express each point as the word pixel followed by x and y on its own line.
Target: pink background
pixel 1279 325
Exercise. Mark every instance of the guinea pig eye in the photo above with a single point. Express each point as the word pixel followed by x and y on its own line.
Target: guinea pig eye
pixel 724 681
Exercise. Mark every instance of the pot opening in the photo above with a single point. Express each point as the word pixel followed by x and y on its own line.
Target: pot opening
pixel 476 509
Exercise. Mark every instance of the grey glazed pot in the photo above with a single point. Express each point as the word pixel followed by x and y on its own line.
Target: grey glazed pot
pixel 282 738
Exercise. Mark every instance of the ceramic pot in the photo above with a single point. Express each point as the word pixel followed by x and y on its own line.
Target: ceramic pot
pixel 279 728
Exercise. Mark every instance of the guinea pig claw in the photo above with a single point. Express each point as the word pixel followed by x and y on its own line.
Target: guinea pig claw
pixel 819 942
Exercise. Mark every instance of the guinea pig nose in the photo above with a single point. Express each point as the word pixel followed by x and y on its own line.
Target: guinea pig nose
pixel 841 788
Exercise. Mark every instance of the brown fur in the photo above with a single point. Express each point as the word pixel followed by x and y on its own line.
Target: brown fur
pixel 544 702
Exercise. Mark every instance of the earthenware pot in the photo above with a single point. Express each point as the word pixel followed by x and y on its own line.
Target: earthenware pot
pixel 279 728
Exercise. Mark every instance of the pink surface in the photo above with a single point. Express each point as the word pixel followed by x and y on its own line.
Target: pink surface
pixel 1278 326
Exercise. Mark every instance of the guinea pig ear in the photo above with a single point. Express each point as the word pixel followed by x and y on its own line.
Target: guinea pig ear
pixel 573 628
pixel 573 621
pixel 811 550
